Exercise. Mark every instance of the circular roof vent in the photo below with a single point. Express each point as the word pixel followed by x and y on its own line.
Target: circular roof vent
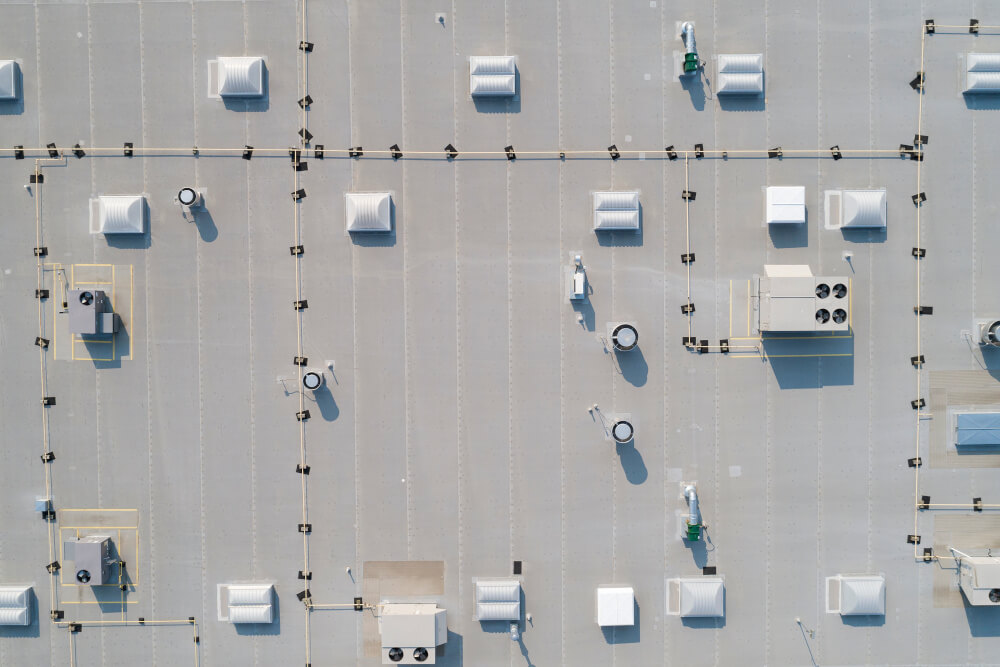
pixel 395 654
pixel 622 431
pixel 822 290
pixel 822 316
pixel 840 316
pixel 312 380
pixel 86 298
pixel 420 654
pixel 840 290
pixel 624 337
pixel 83 576
pixel 187 196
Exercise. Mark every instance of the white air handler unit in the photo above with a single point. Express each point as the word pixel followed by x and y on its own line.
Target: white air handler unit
pixel 238 77
pixel 246 603
pixel 411 632
pixel 118 214
pixel 696 597
pixel 789 298
pixel 740 74
pixel 92 556
pixel 368 212
pixel 576 279
pixel 982 73
pixel 493 76
pixel 615 606
pixel 979 578
pixel 616 211
pixel 856 595
pixel 9 78
pixel 855 209
pixel 15 605
pixel 785 205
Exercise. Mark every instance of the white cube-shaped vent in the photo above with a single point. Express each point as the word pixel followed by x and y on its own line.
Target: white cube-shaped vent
pixel 246 603
pixel 498 600
pixel 615 606
pixel 240 76
pixel 8 80
pixel 696 597
pixel 785 205
pixel 855 595
pixel 118 214
pixel 15 605
pixel 492 76
pixel 741 74
pixel 369 211
pixel 863 208
pixel 982 73
pixel 616 211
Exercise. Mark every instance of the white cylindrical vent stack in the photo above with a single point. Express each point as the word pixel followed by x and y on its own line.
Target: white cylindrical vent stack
pixel 312 379
pixel 687 32
pixel 622 431
pixel 625 337
pixel 189 197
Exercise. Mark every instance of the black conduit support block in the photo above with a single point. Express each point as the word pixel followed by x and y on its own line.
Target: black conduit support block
pixel 41 342
pixel 709 570
pixel 301 305
pixel 450 151
pixel 53 567
pixel 299 194
pixel 920 140
pixel 355 151
pixel 918 82
pixel 509 150
pixel 687 258
pixel 923 310
pixel 919 198
pixel 41 294
pixel 300 361
pixel 305 101
pixel 835 152
pixel 775 152
pixel 318 151
pixel 296 250
pixel 302 470
pixel 53 151
pixel 703 348
pixel 302 416
pixel 917 361
pixel 77 151
pixel 724 345
pixel 41 251
pixel 687 308
pixel 295 154
pixel 919 252
pixel 917 404
pixel 305 134
pixel 928 554
pixel 301 166
pixel 48 457
pixel 671 153
pixel 925 503
pixel 306 575
pixel 689 195
pixel 699 150
pixel 613 150
pixel 359 603
pixel 905 150
pixel 917 156
pixel 689 341
pixel 517 567
pixel 973 26
pixel 914 463
pixel 36 178
pixel 929 26
pixel 303 595
pixel 396 153
pixel 48 400
pixel 18 152
pixel 306 46
pixel 75 627
pixel 127 149
pixel 247 152
pixel 57 614
pixel 913 539
pixel 977 504
pixel 305 528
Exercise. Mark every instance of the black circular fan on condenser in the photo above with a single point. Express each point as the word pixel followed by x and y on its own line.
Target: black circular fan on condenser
pixel 822 290
pixel 839 316
pixel 420 654
pixel 822 316
pixel 83 576
pixel 86 298
pixel 395 654
pixel 840 290
pixel 995 595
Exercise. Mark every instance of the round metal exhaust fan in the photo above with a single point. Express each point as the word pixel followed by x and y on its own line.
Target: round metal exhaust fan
pixel 990 335
pixel 625 337
pixel 622 431
pixel 395 654
pixel 822 316
pixel 83 576
pixel 839 316
pixel 86 298
pixel 312 380
pixel 420 654
pixel 187 196
pixel 840 290
pixel 995 595
pixel 822 290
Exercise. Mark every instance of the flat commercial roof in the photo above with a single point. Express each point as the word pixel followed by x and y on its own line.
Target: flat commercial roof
pixel 456 423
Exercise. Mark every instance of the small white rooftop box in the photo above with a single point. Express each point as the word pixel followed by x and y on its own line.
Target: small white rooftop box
pixel 855 595
pixel 369 211
pixel 15 605
pixel 615 606
pixel 492 76
pixel 240 76
pixel 8 80
pixel 785 205
pixel 696 597
pixel 411 632
pixel 118 214
pixel 979 577
pixel 498 600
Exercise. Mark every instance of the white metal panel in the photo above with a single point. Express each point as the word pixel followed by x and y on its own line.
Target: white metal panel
pixel 15 605
pixel 982 82
pixel 498 600
pixel 241 76
pixel 616 210
pixel 250 594
pixel 862 595
pixel 616 201
pixel 8 80
pixel 369 211
pixel 611 220
pixel 702 597
pixel 120 214
pixel 491 65
pixel 786 205
pixel 408 625
pixel 12 616
pixel 492 75
pixel 498 85
pixel 864 208
pixel 251 613
pixel 498 611
pixel 740 74
pixel 615 606
pixel 741 63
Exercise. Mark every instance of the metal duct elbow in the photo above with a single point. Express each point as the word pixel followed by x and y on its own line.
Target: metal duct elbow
pixel 687 33
pixel 694 514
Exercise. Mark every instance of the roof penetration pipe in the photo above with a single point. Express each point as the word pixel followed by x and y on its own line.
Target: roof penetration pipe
pixel 687 32
pixel 691 495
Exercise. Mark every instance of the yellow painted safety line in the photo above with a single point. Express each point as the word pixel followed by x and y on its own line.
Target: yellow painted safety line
pixel 96 601
pixel 730 308
pixel 820 337
pixel 94 282
pixel 77 339
pixel 131 292
pixel 748 306
pixel 114 308
pixel 743 355
pixel 98 528
pixel 100 509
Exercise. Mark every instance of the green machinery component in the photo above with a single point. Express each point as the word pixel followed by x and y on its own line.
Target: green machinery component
pixel 690 50
pixel 693 532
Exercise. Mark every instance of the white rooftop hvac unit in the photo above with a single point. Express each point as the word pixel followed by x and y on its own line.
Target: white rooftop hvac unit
pixel 855 595
pixel 246 603
pixel 856 209
pixel 790 299
pixel 241 76
pixel 411 632
pixel 369 211
pixel 982 73
pixel 118 214
pixel 498 600
pixel 696 597
pixel 15 605
pixel 979 577
pixel 492 76
pixel 785 205
pixel 8 80
pixel 615 606
pixel 616 211
pixel 741 74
